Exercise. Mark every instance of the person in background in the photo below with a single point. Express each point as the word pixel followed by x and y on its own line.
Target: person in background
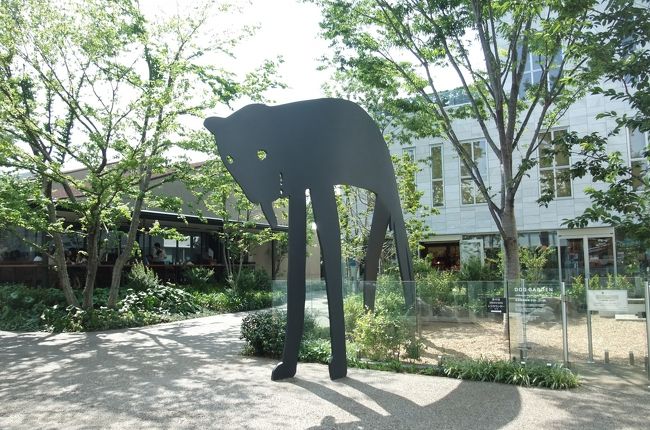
pixel 159 255
pixel 82 257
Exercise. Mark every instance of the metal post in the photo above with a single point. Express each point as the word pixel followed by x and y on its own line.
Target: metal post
pixel 524 345
pixel 565 325
pixel 590 344
pixel 606 357
pixel 647 322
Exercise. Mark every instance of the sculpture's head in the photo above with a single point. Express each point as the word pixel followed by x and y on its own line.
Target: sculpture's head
pixel 241 145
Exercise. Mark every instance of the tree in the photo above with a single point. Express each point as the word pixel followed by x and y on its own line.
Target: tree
pixel 617 48
pixel 217 191
pixel 97 84
pixel 396 48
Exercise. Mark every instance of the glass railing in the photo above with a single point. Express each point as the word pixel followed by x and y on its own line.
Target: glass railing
pixel 488 319
pixel 535 320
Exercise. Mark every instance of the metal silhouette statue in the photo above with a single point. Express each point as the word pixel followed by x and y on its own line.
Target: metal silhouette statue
pixel 282 151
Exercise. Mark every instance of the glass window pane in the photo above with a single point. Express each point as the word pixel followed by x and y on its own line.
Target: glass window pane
pixel 436 162
pixel 545 159
pixel 546 180
pixel 639 169
pixel 562 157
pixel 478 195
pixel 464 171
pixel 637 144
pixel 467 191
pixel 479 157
pixel 438 193
pixel 563 183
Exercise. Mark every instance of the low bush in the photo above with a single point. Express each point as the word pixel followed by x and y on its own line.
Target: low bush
pixel 141 278
pixel 250 280
pixel 160 299
pixel 509 372
pixel 21 307
pixel 264 334
pixel 58 319
pixel 231 301
pixel 199 278
pixel 380 336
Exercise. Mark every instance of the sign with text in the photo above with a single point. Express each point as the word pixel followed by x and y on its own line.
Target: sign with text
pixel 607 300
pixel 530 297
pixel 496 305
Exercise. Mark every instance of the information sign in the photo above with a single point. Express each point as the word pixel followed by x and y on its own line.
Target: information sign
pixel 607 300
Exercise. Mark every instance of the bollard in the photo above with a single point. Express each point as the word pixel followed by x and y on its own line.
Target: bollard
pixel 647 364
pixel 631 358
pixel 606 357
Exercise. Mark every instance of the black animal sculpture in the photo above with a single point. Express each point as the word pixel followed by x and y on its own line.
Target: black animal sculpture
pixel 282 151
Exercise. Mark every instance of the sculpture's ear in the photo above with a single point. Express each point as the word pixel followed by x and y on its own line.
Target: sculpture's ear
pixel 213 124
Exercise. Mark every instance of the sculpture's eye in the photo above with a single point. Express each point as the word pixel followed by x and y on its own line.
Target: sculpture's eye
pixel 229 159
pixel 261 154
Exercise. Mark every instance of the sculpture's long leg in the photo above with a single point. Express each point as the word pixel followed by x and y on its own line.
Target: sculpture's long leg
pixel 295 288
pixel 403 255
pixel 380 219
pixel 329 237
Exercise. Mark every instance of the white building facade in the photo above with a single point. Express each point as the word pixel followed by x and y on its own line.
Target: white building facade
pixel 464 217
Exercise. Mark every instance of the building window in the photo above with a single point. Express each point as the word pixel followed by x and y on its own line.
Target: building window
pixel 554 171
pixel 534 69
pixel 410 152
pixel 469 191
pixel 638 160
pixel 437 176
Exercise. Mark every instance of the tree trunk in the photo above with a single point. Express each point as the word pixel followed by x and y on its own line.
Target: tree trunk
pixel 59 250
pixel 125 254
pixel 62 270
pixel 92 243
pixel 511 250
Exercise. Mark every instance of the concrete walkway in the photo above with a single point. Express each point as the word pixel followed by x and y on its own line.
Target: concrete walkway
pixel 189 374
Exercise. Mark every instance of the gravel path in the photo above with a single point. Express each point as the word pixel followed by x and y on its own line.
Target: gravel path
pixel 484 338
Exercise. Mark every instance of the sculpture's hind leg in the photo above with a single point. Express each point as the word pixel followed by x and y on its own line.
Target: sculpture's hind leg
pixel 380 219
pixel 295 288
pixel 329 237
pixel 403 255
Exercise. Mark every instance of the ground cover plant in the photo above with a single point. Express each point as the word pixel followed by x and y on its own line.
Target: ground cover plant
pixel 263 333
pixel 146 300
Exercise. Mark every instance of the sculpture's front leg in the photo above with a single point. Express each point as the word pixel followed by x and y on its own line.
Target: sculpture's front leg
pixel 329 236
pixel 295 287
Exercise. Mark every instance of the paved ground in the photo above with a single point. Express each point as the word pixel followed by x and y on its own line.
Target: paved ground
pixel 190 375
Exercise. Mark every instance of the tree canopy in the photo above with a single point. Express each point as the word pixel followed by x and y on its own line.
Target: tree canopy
pixel 516 64
pixel 103 87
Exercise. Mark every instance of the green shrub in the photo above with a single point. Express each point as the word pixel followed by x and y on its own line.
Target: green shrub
pixel 251 280
pixel 199 278
pixel 315 351
pixel 474 270
pixel 353 309
pixel 141 278
pixel 264 333
pixel 72 319
pixel 160 299
pixel 21 307
pixel 232 301
pixel 380 336
pixel 439 288
pixel 508 372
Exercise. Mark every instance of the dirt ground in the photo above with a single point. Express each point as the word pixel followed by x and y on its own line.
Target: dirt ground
pixel 485 338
